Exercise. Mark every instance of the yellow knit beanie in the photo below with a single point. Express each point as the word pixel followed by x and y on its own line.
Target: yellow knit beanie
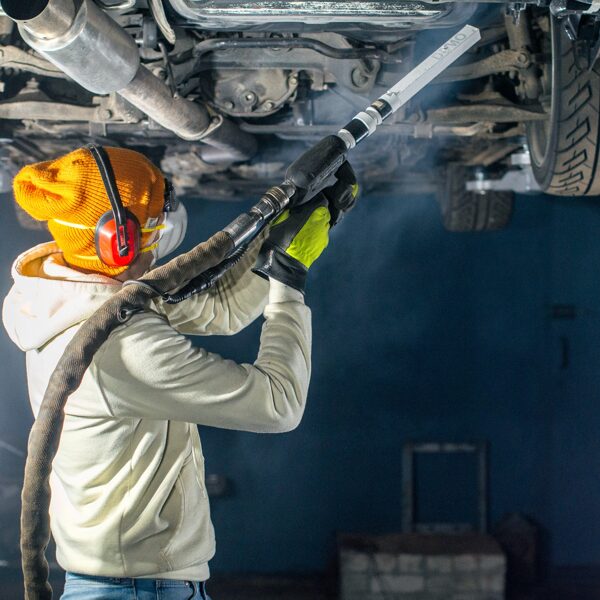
pixel 68 193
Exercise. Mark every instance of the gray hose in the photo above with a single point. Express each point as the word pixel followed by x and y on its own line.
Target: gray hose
pixel 66 378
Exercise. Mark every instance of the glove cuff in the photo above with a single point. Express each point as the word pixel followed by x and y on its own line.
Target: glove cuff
pixel 273 263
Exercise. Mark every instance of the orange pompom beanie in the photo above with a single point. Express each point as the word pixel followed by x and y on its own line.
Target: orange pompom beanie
pixel 68 193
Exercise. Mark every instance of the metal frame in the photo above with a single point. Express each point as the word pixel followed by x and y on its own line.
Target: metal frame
pixel 409 450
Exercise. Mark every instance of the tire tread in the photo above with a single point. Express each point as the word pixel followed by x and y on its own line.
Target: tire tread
pixel 572 167
pixel 464 211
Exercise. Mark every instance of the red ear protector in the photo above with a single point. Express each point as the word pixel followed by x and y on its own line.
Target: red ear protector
pixel 118 230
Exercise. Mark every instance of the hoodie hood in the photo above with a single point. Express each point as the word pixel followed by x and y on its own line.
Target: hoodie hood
pixel 48 297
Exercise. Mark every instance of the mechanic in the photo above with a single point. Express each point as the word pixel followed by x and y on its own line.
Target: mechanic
pixel 129 509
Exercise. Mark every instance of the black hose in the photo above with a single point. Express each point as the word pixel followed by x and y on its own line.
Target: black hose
pixel 204 281
pixel 287 43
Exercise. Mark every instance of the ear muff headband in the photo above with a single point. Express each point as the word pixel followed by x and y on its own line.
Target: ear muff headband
pixel 171 201
pixel 117 235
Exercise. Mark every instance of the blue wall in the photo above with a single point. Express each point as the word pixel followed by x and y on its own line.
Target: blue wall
pixel 15 413
pixel 418 334
pixel 572 404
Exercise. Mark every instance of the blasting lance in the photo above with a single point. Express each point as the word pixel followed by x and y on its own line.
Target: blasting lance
pixel 311 172
pixel 317 167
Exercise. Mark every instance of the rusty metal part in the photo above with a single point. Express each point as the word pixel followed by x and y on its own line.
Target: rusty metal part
pixel 519 38
pixel 493 113
pixel 234 43
pixel 49 111
pixel 245 93
pixel 31 104
pixel 452 115
pixel 102 57
pixel 15 58
pixel 460 130
pixel 354 73
pixel 463 121
pixel 506 60
pixel 519 35
pixel 151 95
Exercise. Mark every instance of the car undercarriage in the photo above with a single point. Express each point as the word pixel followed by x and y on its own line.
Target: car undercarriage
pixel 287 73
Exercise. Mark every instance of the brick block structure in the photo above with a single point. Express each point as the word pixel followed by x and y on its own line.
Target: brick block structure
pixel 421 567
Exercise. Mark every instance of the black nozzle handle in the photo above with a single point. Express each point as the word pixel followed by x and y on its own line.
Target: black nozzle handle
pixel 315 169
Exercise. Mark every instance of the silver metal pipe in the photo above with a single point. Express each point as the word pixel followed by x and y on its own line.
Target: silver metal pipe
pixel 54 20
pixel 91 48
pixel 148 93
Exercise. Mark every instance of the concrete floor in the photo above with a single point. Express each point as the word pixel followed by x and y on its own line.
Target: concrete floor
pixel 220 587
pixel 267 588
pixel 581 583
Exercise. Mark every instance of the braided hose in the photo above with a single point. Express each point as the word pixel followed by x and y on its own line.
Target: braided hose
pixel 66 378
pixel 205 280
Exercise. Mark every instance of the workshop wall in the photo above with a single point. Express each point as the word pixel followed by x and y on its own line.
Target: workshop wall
pixel 418 334
pixel 571 404
pixel 423 334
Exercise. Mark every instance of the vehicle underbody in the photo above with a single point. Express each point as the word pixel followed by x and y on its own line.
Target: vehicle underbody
pixel 288 73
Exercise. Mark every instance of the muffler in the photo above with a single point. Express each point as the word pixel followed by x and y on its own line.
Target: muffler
pixel 93 50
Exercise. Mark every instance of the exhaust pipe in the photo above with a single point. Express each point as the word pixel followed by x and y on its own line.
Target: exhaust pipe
pixel 91 48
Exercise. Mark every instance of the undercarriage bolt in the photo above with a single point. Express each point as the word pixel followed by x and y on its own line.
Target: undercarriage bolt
pixel 228 104
pixel 250 97
pixel 359 77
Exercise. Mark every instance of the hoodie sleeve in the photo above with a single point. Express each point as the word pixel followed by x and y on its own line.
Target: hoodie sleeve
pixel 237 300
pixel 146 369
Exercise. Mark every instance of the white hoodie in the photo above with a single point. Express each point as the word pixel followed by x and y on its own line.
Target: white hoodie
pixel 128 493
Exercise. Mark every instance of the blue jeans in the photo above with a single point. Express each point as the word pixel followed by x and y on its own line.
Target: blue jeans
pixel 92 587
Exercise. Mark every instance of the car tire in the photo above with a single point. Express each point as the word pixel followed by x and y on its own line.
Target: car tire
pixel 464 211
pixel 565 148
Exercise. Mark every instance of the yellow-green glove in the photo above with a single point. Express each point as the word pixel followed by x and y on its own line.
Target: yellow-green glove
pixel 296 240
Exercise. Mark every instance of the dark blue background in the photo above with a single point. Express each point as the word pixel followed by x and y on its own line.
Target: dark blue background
pixel 418 334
